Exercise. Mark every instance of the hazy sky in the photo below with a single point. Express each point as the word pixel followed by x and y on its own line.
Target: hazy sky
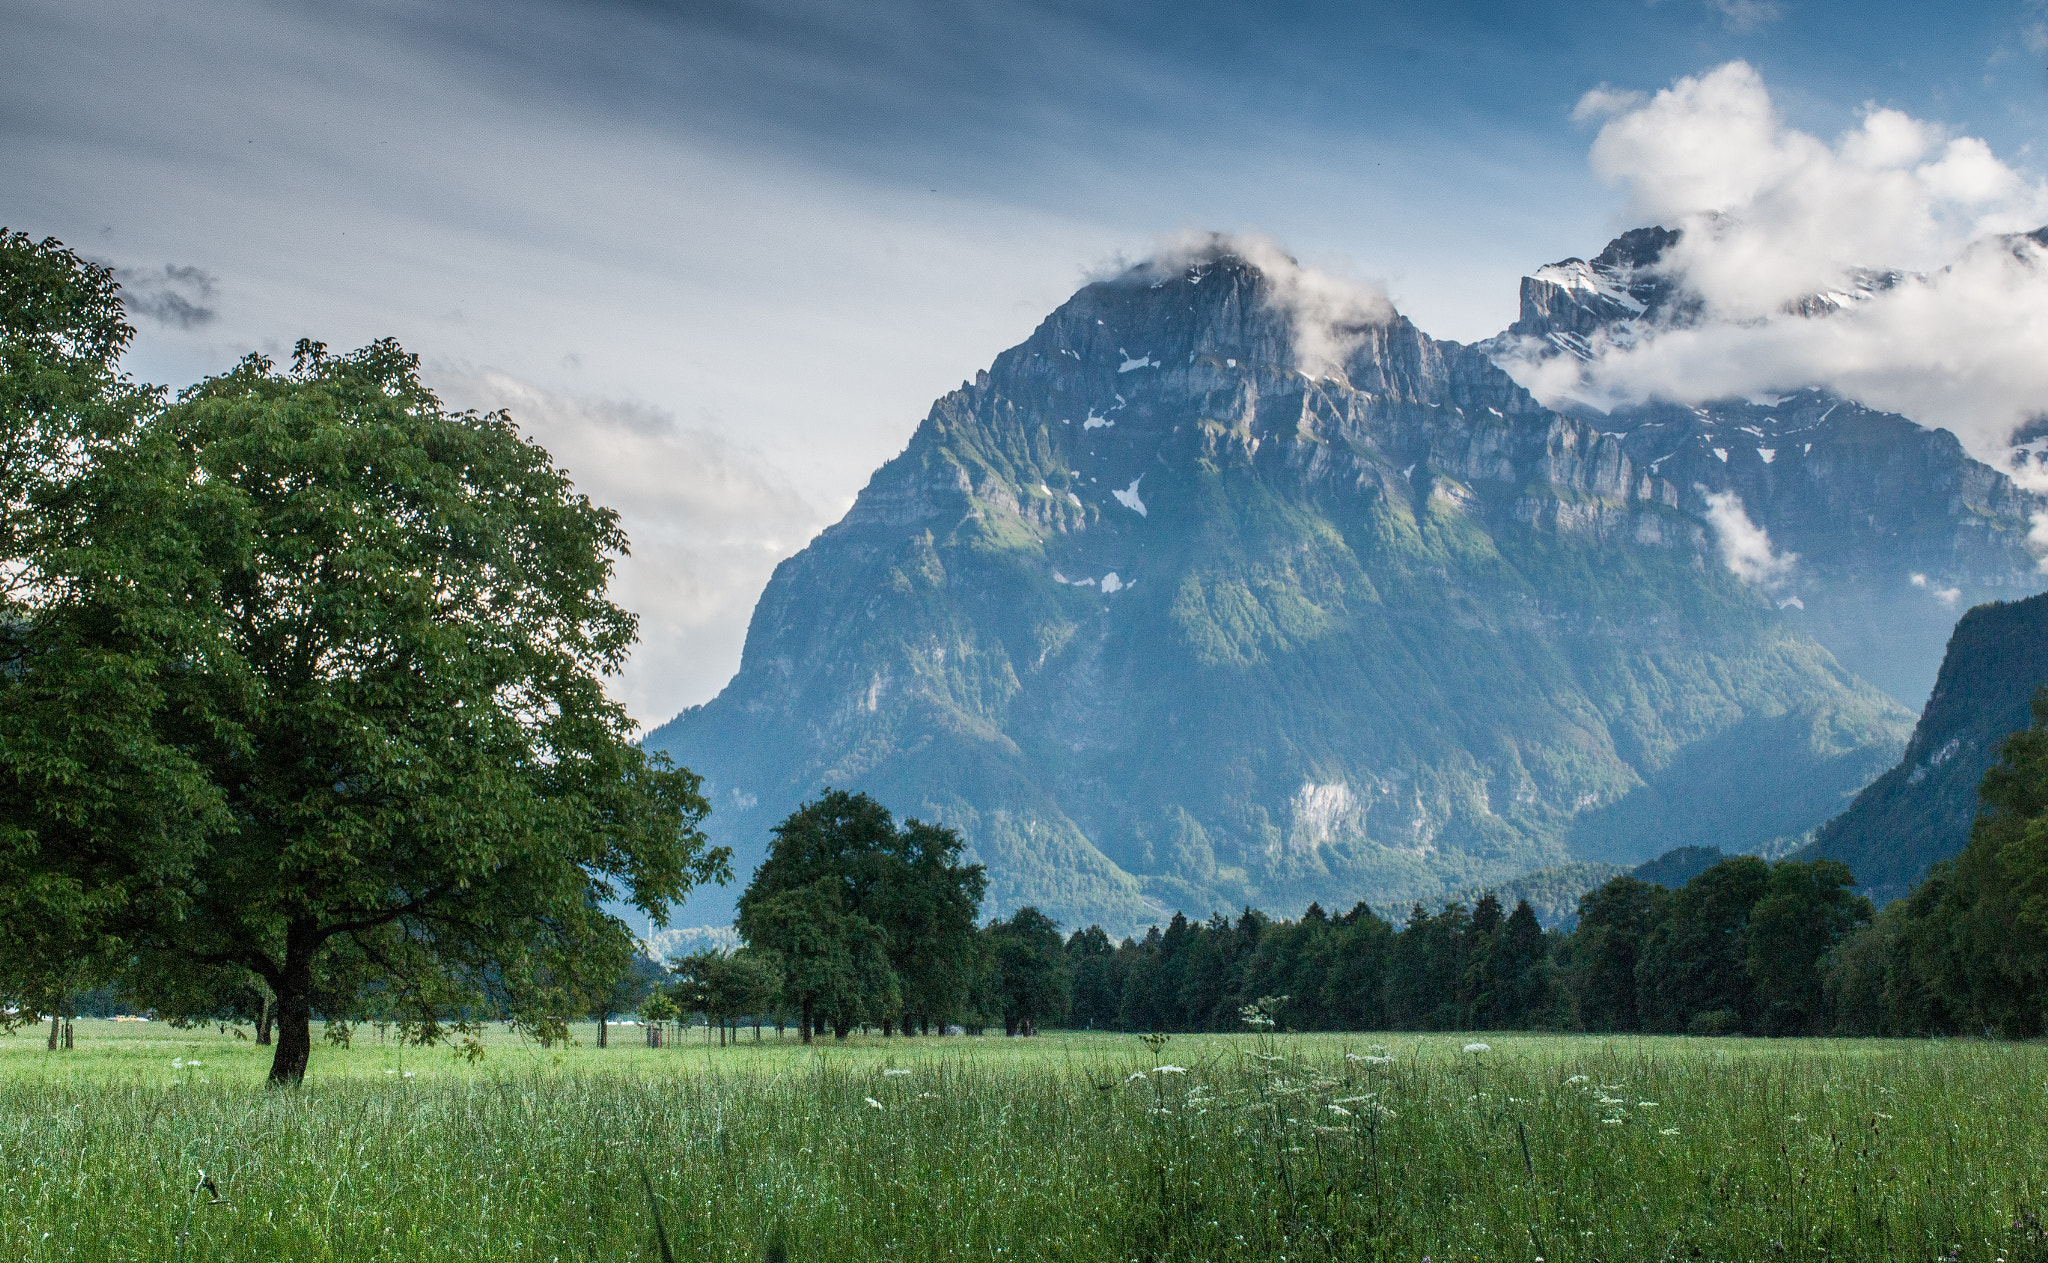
pixel 720 257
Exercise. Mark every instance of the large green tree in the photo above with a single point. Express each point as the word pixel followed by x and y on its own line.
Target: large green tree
pixel 430 799
pixel 1806 909
pixel 98 815
pixel 1033 981
pixel 869 921
pixel 1615 920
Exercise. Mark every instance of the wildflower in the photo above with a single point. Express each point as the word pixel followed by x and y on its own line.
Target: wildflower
pixel 1172 1069
pixel 1884 1116
pixel 1646 1103
pixel 872 1101
pixel 1137 1077
pixel 1340 1111
pixel 1478 1048
pixel 1667 1131
pixel 408 1074
pixel 1795 1118
pixel 391 1072
pixel 1577 1078
pixel 891 1073
pixel 1610 1100
pixel 1611 1122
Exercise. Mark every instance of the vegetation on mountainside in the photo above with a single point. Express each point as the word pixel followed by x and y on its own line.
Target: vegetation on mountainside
pixel 1329 669
pixel 1922 810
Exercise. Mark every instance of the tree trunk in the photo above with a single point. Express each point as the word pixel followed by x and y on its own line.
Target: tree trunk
pixel 264 1019
pixel 840 1026
pixel 604 1021
pixel 294 988
pixel 67 1034
pixel 56 1025
pixel 804 1023
pixel 1009 1026
pixel 889 1028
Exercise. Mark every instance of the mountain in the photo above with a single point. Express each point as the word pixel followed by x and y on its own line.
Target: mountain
pixel 1230 586
pixel 1921 810
pixel 1890 527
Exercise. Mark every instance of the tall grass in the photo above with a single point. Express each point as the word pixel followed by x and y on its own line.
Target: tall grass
pixel 1061 1148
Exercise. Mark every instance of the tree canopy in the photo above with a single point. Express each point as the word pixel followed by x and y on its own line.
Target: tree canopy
pixel 302 688
pixel 868 922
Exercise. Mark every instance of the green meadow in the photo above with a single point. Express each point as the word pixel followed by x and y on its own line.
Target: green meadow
pixel 1065 1146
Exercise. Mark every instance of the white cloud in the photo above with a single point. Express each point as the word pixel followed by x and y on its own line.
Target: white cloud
pixel 1746 547
pixel 1328 314
pixel 1605 101
pixel 707 520
pixel 1771 214
pixel 1947 596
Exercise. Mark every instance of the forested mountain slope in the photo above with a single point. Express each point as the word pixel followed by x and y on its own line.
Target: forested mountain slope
pixel 1921 810
pixel 1225 588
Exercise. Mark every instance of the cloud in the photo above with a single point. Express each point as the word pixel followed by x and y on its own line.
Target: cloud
pixel 707 518
pixel 1746 547
pixel 175 296
pixel 1947 596
pixel 1604 102
pixel 1939 309
pixel 1327 313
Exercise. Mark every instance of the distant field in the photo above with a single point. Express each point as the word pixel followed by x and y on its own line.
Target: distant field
pixel 1061 1147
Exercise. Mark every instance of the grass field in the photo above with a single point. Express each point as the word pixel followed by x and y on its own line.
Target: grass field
pixel 1061 1147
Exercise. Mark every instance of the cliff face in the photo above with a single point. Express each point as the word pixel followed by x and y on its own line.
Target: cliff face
pixel 1226 589
pixel 1921 810
pixel 1890 529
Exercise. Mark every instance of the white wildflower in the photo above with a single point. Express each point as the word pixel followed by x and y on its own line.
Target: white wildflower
pixel 1577 1078
pixel 872 1101
pixel 1171 1070
pixel 1340 1111
pixel 1138 1077
pixel 886 1074
pixel 1478 1048
pixel 1667 1131
pixel 1650 1103
pixel 1611 1122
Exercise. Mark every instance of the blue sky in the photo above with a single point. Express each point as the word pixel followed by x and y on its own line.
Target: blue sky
pixel 720 257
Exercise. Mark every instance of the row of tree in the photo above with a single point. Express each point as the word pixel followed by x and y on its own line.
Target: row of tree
pixel 302 696
pixel 1743 947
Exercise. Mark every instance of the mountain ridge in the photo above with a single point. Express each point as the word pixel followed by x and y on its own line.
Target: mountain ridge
pixel 1230 586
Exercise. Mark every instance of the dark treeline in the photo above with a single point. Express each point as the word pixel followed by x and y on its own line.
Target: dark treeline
pixel 1743 947
pixel 1736 950
pixel 855 922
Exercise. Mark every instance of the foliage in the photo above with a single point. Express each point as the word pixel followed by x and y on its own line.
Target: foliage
pixel 1967 951
pixel 1034 982
pixel 97 812
pixel 864 918
pixel 397 697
